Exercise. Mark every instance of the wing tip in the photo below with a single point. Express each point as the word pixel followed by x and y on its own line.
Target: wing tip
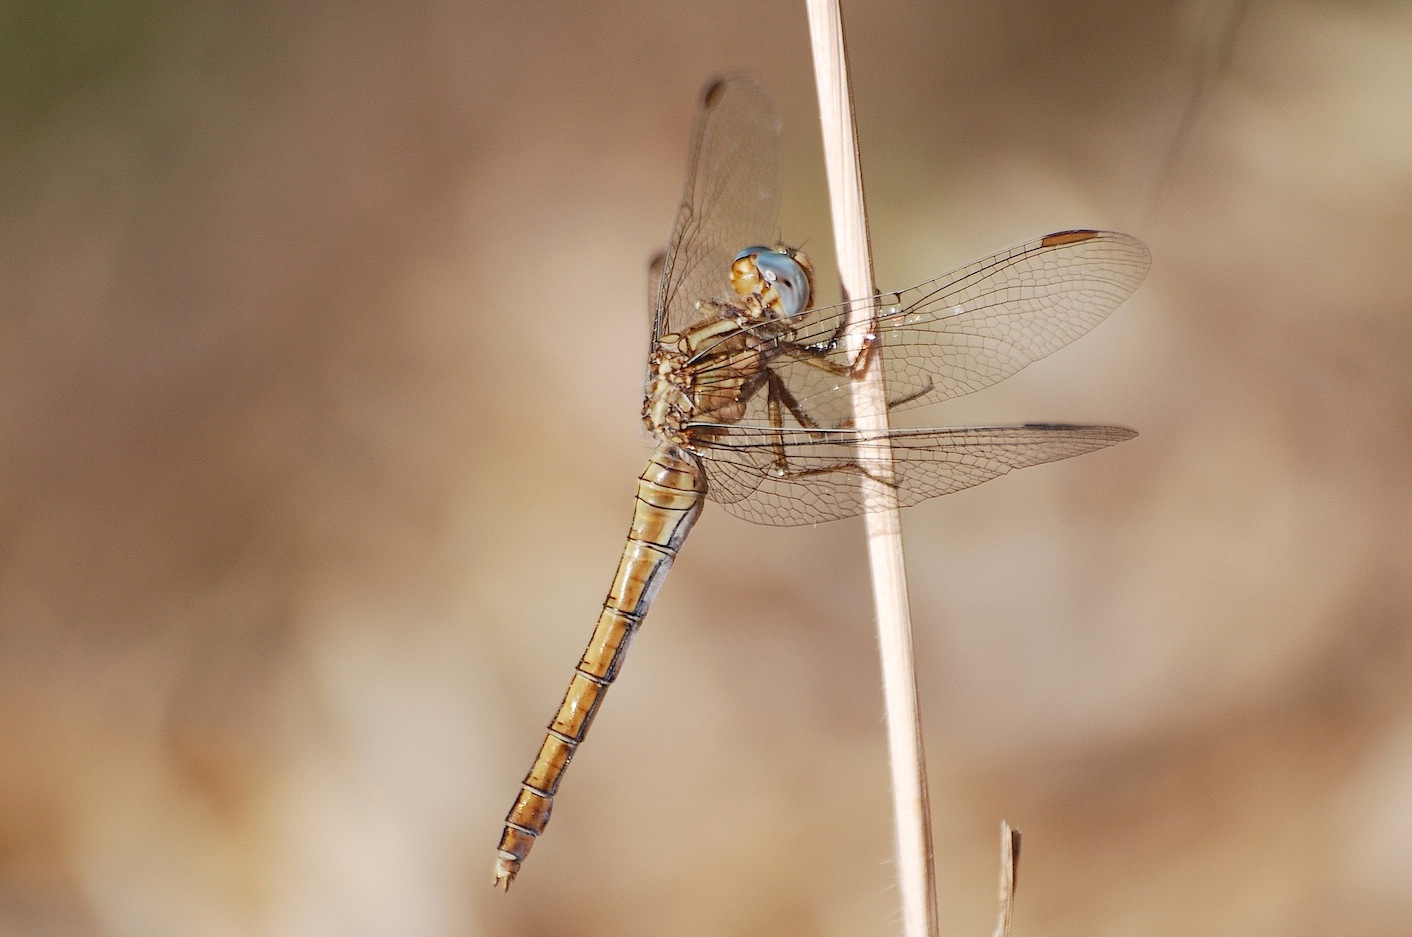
pixel 719 84
pixel 1108 435
pixel 1142 256
pixel 1073 236
pixel 714 89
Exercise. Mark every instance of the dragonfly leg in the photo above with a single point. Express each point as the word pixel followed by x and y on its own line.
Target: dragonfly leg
pixel 817 353
pixel 780 399
pixel 781 394
pixel 865 356
pixel 816 356
pixel 778 396
pixel 728 406
pixel 773 400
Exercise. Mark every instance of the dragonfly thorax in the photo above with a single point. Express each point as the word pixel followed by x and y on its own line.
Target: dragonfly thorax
pixel 668 403
pixel 708 372
pixel 734 344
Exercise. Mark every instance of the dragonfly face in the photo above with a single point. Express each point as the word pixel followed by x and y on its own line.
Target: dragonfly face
pixel 782 278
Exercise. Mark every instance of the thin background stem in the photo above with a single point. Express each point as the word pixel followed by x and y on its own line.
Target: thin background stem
pixel 911 809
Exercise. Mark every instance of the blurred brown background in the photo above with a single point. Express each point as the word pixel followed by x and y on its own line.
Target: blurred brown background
pixel 322 329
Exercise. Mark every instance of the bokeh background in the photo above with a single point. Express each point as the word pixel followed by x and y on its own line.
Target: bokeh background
pixel 322 329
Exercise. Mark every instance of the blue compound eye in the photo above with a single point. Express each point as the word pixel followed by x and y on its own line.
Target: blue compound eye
pixel 788 278
pixel 757 249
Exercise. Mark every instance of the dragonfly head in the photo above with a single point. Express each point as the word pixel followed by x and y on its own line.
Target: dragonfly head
pixel 782 277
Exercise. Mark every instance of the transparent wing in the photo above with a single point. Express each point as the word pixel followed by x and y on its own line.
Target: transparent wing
pixel 655 266
pixel 966 330
pixel 731 199
pixel 819 481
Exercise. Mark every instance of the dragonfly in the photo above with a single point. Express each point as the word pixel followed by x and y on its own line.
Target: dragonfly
pixel 749 397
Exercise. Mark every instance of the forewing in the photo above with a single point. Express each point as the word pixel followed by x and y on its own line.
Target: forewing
pixel 731 199
pixel 820 481
pixel 973 327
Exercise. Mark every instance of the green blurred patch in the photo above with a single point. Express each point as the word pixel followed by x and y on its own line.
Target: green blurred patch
pixel 54 50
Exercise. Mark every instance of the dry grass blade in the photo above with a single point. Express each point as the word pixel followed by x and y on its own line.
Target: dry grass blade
pixel 1009 868
pixel 912 815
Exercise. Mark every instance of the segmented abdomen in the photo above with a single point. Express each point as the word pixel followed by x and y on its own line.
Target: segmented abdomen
pixel 670 493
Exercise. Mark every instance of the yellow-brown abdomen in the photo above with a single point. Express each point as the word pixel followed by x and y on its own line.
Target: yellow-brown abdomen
pixel 670 493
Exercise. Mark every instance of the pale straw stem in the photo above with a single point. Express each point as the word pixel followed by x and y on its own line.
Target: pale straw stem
pixel 1009 868
pixel 912 816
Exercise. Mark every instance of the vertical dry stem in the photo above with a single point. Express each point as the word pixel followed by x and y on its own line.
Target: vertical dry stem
pixel 912 815
pixel 1009 869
